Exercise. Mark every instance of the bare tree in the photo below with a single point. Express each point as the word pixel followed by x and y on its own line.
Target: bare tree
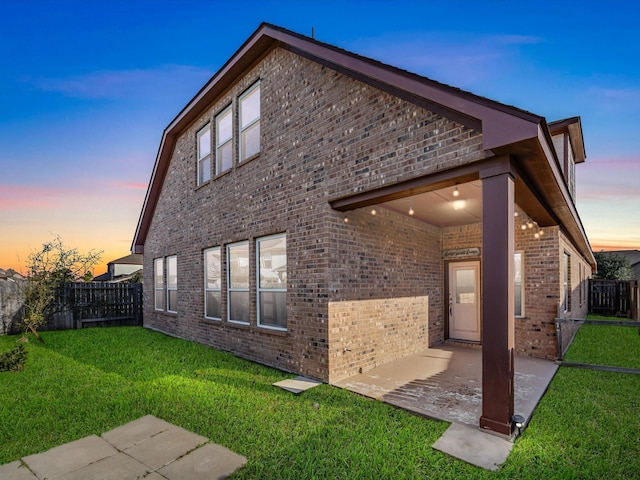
pixel 47 269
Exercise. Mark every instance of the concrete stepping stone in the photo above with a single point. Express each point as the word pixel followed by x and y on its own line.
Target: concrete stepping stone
pixel 297 385
pixel 69 457
pixel 16 471
pixel 165 447
pixel 210 461
pixel 116 467
pixel 136 432
pixel 473 446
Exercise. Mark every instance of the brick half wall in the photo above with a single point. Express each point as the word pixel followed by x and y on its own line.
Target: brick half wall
pixel 367 333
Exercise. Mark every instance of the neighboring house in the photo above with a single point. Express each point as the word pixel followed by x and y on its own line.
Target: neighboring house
pixel 634 259
pixel 324 213
pixel 122 269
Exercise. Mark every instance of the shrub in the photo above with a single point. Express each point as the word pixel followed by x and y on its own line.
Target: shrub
pixel 14 360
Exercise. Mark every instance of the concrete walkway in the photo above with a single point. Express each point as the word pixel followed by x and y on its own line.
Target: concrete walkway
pixel 147 448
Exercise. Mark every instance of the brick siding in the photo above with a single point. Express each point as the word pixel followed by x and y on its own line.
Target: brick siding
pixel 323 136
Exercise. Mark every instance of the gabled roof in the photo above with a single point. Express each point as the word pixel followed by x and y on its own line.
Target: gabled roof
pixel 501 125
pixel 133 259
pixel 573 126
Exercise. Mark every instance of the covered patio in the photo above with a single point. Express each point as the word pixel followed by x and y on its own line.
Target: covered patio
pixel 445 383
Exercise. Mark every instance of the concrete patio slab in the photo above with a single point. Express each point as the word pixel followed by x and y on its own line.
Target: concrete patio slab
pixel 445 383
pixel 16 471
pixel 474 446
pixel 210 461
pixel 165 447
pixel 69 457
pixel 297 385
pixel 135 432
pixel 117 467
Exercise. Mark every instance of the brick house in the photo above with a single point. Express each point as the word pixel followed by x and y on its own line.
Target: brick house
pixel 324 213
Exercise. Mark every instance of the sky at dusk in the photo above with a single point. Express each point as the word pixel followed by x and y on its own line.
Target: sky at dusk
pixel 87 88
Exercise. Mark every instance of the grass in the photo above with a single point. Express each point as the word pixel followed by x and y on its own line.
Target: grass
pixel 85 382
pixel 612 345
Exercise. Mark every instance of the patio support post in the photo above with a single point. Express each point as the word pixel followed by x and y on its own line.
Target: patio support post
pixel 497 295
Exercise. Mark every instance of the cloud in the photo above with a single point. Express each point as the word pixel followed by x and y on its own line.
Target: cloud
pixel 119 84
pixel 460 59
pixel 609 179
pixel 71 196
pixel 27 197
pixel 129 185
pixel 614 99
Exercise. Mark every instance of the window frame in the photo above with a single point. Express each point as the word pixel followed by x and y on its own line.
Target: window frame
pixel 521 313
pixel 253 123
pixel 172 288
pixel 206 277
pixel 158 287
pixel 260 289
pixel 566 282
pixel 231 289
pixel 228 111
pixel 202 159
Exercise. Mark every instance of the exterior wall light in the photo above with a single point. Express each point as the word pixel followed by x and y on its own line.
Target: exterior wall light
pixel 456 192
pixel 373 211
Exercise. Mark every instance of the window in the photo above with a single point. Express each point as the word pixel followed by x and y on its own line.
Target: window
pixel 238 282
pixel 224 141
pixel 204 155
pixel 566 277
pixel 250 123
pixel 518 270
pixel 271 253
pixel 158 283
pixel 212 284
pixel 172 284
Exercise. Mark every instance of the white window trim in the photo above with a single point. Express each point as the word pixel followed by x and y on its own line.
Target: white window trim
pixel 171 289
pixel 246 93
pixel 157 288
pixel 202 159
pixel 522 277
pixel 206 290
pixel 226 111
pixel 259 289
pixel 229 289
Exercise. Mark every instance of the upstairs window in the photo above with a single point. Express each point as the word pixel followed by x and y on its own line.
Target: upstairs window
pixel 204 155
pixel 212 284
pixel 158 283
pixel 224 141
pixel 238 282
pixel 172 284
pixel 250 123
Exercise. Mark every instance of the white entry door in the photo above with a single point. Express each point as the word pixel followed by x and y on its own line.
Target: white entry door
pixel 464 301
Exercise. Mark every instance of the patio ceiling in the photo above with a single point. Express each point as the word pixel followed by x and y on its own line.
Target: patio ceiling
pixel 441 207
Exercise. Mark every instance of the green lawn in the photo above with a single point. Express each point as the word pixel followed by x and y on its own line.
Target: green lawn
pixel 88 381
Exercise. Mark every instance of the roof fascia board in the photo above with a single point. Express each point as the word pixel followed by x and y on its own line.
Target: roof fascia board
pixel 549 153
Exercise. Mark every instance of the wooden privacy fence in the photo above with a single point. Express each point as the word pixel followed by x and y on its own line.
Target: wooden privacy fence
pixel 611 297
pixel 102 304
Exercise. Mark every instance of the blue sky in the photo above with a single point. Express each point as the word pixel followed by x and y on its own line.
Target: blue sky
pixel 87 87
